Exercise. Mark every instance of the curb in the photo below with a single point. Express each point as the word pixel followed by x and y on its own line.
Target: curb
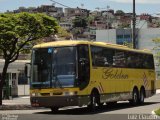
pixel 153 113
pixel 17 107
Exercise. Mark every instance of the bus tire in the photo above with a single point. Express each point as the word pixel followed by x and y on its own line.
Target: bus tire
pixel 98 100
pixel 54 109
pixel 142 96
pixel 93 101
pixel 100 104
pixel 109 104
pixel 135 97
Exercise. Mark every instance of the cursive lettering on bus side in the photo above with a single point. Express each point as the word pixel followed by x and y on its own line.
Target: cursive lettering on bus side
pixel 114 74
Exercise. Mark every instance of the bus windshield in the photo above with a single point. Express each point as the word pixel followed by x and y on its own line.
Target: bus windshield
pixel 53 67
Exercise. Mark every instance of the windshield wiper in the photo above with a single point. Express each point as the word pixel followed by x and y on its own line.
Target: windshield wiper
pixel 58 81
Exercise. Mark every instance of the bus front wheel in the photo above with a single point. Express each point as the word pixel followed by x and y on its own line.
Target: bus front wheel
pixel 93 101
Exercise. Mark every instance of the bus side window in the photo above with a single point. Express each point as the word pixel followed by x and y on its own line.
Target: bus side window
pixel 148 62
pixel 102 57
pixel 83 65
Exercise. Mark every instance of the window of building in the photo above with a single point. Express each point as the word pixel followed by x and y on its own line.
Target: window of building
pixel 22 78
pixel 127 36
pixel 14 79
pixel 119 36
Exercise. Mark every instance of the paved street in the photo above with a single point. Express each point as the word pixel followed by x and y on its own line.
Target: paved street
pixel 122 109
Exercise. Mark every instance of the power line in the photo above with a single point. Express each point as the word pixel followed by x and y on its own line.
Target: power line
pixel 60 4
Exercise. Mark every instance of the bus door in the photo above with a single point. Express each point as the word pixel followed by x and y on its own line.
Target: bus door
pixel 83 66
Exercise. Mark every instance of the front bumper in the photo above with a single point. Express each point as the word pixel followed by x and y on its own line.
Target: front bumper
pixel 58 101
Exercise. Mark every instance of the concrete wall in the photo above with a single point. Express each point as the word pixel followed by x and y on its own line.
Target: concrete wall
pixel 23 90
pixel 108 36
pixel 146 36
pixel 14 91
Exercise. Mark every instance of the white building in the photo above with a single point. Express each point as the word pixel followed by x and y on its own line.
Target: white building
pixel 146 36
pixel 108 36
pixel 66 25
pixel 141 24
pixel 17 83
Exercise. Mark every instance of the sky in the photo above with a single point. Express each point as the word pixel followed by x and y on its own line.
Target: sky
pixel 142 6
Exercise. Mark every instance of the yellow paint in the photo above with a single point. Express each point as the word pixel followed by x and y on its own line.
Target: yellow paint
pixel 157 84
pixel 132 77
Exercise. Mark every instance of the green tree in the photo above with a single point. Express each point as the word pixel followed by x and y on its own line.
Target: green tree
pixel 80 22
pixel 63 33
pixel 19 30
pixel 124 25
pixel 79 25
pixel 90 19
pixel 128 44
pixel 120 12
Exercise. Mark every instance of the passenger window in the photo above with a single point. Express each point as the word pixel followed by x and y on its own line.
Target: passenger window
pixel 102 57
pixel 119 59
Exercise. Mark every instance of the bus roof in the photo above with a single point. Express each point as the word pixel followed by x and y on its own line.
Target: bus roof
pixel 77 42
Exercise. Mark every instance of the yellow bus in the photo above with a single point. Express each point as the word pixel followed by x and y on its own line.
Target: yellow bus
pixel 78 73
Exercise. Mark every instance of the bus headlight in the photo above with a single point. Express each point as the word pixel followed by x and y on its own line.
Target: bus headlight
pixel 34 94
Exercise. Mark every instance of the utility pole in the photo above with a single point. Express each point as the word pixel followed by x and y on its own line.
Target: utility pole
pixel 108 21
pixel 134 26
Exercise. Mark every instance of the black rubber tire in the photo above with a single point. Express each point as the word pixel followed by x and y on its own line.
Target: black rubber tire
pixel 54 109
pixel 111 103
pixel 93 101
pixel 135 98
pixel 142 96
pixel 99 103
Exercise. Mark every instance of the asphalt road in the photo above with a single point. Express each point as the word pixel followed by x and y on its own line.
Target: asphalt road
pixel 122 111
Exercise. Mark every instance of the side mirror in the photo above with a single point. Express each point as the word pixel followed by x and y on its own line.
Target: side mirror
pixel 27 69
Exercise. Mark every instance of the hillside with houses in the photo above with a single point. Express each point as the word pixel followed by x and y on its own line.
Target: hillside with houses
pixel 83 23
